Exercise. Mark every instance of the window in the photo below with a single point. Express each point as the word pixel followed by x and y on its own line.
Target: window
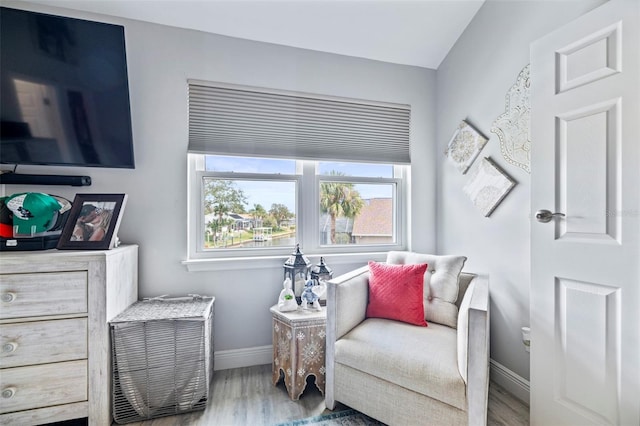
pixel 242 206
pixel 357 204
pixel 237 213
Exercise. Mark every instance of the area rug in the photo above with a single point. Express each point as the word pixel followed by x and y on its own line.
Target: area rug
pixel 341 418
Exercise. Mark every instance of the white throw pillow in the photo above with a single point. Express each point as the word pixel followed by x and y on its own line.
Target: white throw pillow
pixel 440 283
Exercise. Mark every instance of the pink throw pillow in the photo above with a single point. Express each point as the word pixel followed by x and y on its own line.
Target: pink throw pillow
pixel 396 292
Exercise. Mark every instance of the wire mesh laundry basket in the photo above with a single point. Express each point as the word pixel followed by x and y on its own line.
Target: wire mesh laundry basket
pixel 162 357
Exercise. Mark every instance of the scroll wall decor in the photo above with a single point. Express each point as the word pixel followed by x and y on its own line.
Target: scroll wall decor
pixel 512 127
pixel 464 146
pixel 487 186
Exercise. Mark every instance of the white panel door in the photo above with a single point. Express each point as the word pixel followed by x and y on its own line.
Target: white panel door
pixel 585 283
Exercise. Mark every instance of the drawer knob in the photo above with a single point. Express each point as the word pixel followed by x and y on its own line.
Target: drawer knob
pixel 9 347
pixel 8 297
pixel 8 392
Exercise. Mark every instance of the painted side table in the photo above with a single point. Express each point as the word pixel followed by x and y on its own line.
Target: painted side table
pixel 299 339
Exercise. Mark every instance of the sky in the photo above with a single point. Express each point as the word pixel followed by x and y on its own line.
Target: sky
pixel 267 193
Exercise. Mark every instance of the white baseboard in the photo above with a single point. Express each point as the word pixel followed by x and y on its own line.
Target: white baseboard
pixel 516 385
pixel 246 357
pixel 260 355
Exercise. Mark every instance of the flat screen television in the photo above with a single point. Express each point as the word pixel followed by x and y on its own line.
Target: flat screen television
pixel 64 92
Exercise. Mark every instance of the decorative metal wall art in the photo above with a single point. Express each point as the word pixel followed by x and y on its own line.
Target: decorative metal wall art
pixel 512 127
pixel 487 186
pixel 464 146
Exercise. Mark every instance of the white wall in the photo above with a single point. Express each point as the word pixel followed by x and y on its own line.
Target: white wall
pixel 471 84
pixel 160 60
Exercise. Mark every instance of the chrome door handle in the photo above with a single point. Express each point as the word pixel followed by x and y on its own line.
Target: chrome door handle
pixel 545 216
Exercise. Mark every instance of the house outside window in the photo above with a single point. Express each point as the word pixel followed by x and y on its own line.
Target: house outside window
pixel 375 222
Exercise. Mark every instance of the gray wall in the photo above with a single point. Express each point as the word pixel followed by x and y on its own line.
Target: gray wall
pixel 160 60
pixel 471 83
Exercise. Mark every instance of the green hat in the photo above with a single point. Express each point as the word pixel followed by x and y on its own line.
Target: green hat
pixel 33 212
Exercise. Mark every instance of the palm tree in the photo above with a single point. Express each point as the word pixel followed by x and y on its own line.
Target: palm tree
pixel 258 212
pixel 339 199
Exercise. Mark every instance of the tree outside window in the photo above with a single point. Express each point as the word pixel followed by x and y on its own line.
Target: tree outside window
pixel 339 199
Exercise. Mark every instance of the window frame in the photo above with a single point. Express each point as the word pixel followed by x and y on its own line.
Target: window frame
pixel 358 248
pixel 307 212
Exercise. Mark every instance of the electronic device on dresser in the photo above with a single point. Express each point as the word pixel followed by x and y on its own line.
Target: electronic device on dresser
pixel 64 95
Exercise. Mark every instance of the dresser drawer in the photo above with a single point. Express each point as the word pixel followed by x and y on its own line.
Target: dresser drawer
pixel 42 342
pixel 50 293
pixel 24 388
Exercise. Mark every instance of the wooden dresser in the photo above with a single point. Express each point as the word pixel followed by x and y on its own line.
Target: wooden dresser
pixel 55 355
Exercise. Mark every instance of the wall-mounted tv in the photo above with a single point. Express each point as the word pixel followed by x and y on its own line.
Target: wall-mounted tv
pixel 64 92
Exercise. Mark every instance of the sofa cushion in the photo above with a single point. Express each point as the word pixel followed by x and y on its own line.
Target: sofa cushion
pixel 396 292
pixel 422 359
pixel 440 283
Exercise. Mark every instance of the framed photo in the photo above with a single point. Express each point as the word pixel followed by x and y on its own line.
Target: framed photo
pixel 464 146
pixel 93 222
pixel 487 186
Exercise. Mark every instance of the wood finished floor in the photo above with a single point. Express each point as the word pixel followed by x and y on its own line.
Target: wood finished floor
pixel 246 396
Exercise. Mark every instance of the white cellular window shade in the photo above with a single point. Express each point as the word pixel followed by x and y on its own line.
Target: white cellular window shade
pixel 235 120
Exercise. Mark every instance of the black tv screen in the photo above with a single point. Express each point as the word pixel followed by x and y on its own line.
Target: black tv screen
pixel 64 90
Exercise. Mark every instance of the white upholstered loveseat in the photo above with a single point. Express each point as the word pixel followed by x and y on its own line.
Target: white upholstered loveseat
pixel 402 374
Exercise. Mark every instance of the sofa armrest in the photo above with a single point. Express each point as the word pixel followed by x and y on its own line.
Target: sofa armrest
pixel 473 347
pixel 347 298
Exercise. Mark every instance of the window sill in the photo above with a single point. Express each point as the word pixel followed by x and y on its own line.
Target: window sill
pixel 266 262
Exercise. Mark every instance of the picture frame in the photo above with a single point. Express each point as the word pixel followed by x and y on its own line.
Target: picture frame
pixel 93 222
pixel 465 146
pixel 487 186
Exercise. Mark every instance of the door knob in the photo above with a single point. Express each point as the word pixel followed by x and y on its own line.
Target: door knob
pixel 544 216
